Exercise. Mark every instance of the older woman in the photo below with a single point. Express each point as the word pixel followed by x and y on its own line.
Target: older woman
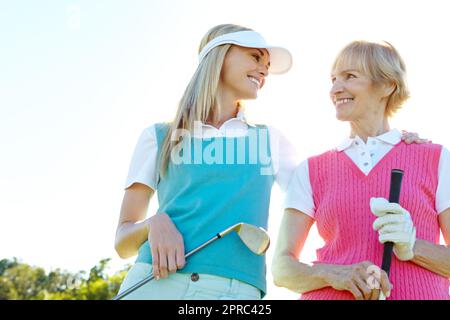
pixel 344 191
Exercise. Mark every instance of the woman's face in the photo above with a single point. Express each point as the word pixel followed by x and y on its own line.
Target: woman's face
pixel 355 96
pixel 244 72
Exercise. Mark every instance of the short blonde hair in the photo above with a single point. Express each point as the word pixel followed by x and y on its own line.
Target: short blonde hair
pixel 382 63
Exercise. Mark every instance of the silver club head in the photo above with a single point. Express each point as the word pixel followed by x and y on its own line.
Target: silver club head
pixel 255 238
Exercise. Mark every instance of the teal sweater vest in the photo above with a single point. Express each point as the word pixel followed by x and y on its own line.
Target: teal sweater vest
pixel 220 182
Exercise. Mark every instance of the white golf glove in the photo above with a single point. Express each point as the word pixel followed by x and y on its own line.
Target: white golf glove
pixel 396 227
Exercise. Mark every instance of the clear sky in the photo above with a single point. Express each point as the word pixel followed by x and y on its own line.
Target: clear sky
pixel 80 80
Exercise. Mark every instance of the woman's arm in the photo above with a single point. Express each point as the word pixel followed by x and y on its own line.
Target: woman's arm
pixel 299 277
pixel 166 242
pixel 435 257
pixel 287 271
pixel 132 229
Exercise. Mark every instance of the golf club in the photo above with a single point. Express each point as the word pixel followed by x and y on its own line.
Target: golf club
pixel 255 238
pixel 394 196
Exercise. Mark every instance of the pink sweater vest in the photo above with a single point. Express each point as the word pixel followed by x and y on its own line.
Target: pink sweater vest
pixel 341 196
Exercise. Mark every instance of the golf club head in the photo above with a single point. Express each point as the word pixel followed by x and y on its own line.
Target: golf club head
pixel 255 238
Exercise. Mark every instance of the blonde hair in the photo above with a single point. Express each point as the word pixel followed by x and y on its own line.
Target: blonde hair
pixel 382 63
pixel 199 101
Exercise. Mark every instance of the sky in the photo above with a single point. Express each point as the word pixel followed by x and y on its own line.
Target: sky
pixel 80 80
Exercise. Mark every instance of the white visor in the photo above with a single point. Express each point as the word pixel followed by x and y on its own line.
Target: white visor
pixel 280 58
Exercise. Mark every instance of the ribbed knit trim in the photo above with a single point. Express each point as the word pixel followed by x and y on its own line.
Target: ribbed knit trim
pixel 342 195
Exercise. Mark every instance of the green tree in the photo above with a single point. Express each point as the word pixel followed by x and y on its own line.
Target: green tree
pixel 20 281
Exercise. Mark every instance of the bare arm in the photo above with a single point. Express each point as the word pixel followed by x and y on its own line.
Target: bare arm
pixel 288 272
pixel 166 242
pixel 435 257
pixel 132 230
pixel 286 269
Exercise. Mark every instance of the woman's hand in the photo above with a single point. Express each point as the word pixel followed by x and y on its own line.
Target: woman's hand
pixel 413 137
pixel 166 244
pixel 364 280
pixel 394 224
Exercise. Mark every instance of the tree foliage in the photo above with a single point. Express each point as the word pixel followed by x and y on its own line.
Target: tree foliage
pixel 20 281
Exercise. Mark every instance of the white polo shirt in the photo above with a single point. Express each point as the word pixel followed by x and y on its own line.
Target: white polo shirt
pixel 143 167
pixel 365 155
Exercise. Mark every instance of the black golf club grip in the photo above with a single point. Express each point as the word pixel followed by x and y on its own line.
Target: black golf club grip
pixel 394 196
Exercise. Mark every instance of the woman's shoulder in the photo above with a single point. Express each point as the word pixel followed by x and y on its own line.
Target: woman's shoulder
pixel 155 129
pixel 427 146
pixel 325 154
pixel 274 133
pixel 158 126
pixel 151 134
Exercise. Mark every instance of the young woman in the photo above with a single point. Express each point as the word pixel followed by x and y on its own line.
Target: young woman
pixel 212 168
pixel 344 191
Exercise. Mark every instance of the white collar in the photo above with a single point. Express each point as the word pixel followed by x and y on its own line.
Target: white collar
pixel 392 137
pixel 239 116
